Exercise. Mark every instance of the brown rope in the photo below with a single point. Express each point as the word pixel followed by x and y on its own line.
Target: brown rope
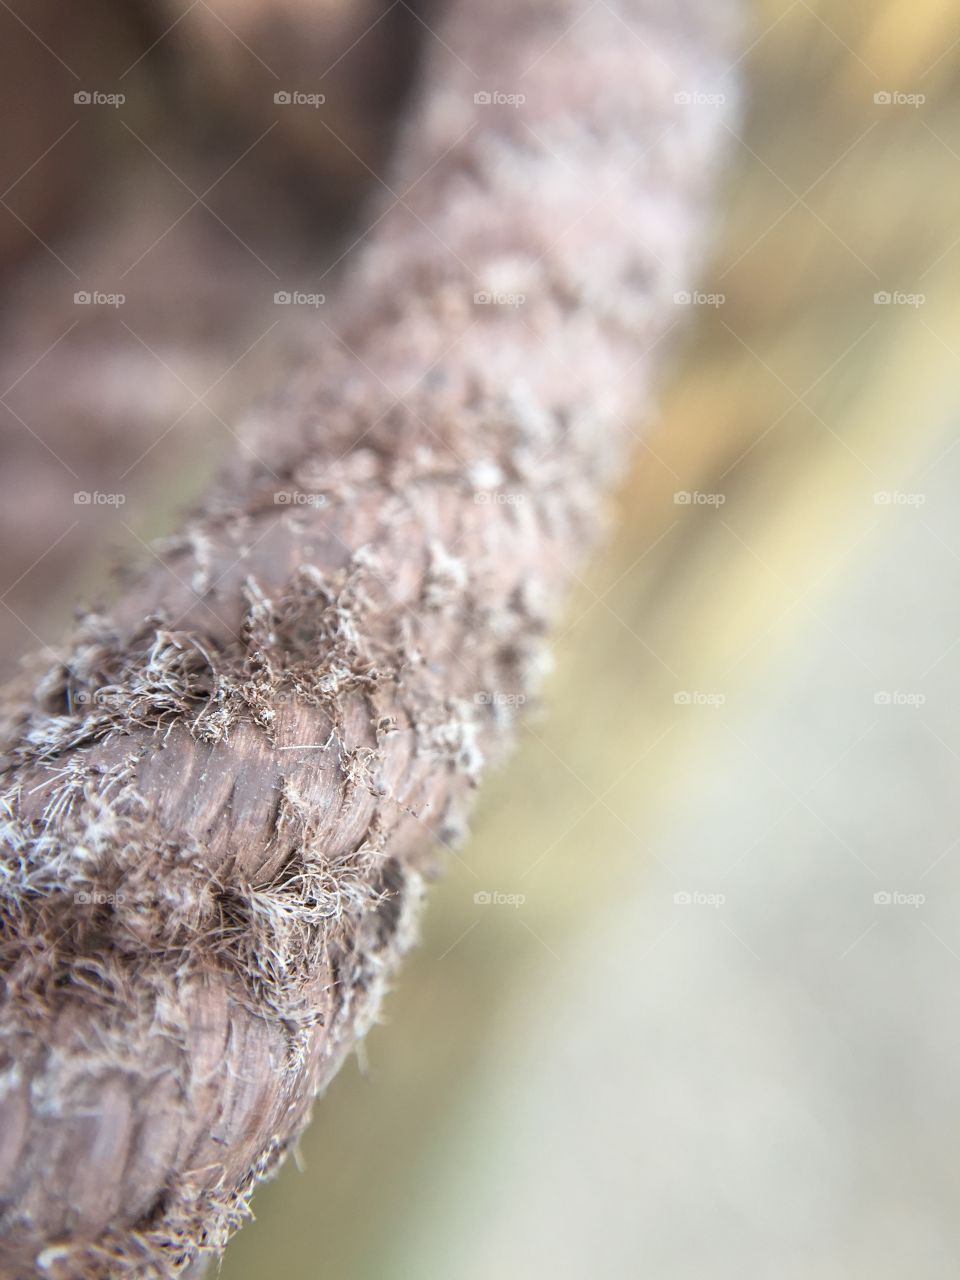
pixel 219 802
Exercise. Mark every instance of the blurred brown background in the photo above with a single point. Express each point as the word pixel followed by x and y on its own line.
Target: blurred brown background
pixel 718 1035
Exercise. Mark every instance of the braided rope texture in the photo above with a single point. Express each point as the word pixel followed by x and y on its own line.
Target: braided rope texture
pixel 221 801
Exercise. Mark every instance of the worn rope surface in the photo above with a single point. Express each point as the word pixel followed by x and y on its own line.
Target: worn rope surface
pixel 218 803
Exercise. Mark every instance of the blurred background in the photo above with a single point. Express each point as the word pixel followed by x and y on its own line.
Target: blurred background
pixel 708 1022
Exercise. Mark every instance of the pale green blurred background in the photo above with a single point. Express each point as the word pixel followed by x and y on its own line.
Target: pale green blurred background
pixel 755 706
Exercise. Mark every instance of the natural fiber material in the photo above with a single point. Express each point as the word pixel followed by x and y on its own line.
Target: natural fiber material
pixel 219 804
